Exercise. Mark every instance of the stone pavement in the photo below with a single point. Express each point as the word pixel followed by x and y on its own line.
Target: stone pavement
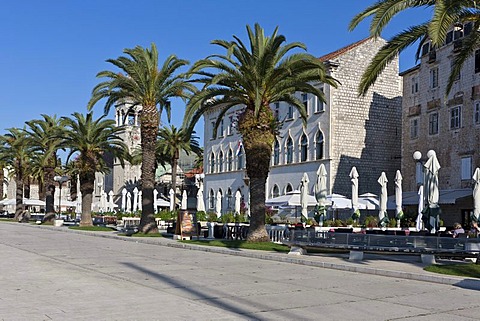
pixel 53 273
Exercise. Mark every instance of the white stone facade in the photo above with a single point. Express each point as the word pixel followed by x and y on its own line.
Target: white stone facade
pixel 346 131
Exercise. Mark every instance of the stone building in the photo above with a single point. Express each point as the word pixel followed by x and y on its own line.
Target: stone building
pixel 448 124
pixel 346 131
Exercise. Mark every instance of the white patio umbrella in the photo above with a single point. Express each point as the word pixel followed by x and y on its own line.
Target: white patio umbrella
pixel 398 197
pixel 103 202
pixel 135 199
pixel 291 199
pixel 200 201
pixel 218 204
pixel 431 191
pixel 140 198
pixel 476 195
pixel 338 201
pixel 171 193
pixel 238 199
pixel 368 201
pixel 304 194
pixel 184 200
pixel 124 199
pixel 419 222
pixel 129 202
pixel 155 202
pixel 78 208
pixel 321 191
pixel 382 213
pixel 26 201
pixel 111 204
pixel 354 178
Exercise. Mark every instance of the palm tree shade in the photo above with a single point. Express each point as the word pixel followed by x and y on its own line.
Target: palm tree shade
pixel 143 82
pixel 254 76
pixel 446 14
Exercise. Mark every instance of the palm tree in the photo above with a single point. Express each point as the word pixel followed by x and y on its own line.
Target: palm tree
pixel 144 83
pixel 170 142
pixel 255 76
pixel 446 13
pixel 15 153
pixel 89 140
pixel 43 137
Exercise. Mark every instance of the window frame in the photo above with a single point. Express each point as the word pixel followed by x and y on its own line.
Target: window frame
pixel 455 117
pixel 414 128
pixel 433 124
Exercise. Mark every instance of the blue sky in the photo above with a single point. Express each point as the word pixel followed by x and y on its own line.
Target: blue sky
pixel 51 50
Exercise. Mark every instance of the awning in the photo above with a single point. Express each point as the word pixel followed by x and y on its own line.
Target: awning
pixel 447 196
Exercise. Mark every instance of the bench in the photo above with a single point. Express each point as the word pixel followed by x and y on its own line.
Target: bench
pixel 357 243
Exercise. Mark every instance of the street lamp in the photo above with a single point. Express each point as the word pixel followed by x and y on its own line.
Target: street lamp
pixel 60 180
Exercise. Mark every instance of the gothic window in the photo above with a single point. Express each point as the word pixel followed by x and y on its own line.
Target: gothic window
pixel 220 162
pixel 240 160
pixel 275 191
pixel 319 145
pixel 212 163
pixel 276 153
pixel 289 153
pixel 230 160
pixel 211 199
pixel 303 148
pixel 229 198
pixel 288 188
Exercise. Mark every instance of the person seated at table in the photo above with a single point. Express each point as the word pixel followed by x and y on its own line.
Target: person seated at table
pixel 457 229
pixel 474 229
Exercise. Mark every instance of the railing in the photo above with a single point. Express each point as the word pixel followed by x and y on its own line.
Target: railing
pixel 423 244
pixel 277 234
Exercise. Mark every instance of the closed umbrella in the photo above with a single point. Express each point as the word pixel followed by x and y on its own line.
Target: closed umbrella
pixel 431 191
pixel 103 202
pixel 476 195
pixel 135 199
pixel 78 208
pixel 321 192
pixel 354 179
pixel 140 200
pixel 382 213
pixel 304 195
pixel 171 193
pixel 238 199
pixel 398 197
pixel 218 204
pixel 111 204
pixel 124 199
pixel 155 202
pixel 129 202
pixel 419 221
pixel 184 200
pixel 200 201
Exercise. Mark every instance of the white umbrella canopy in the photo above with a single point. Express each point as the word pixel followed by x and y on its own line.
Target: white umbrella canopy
pixel 290 199
pixel 238 199
pixel 304 194
pixel 200 201
pixel 218 204
pixel 476 195
pixel 171 193
pixel 338 201
pixel 184 200
pixel 368 201
pixel 382 213
pixel 26 201
pixel 398 193
pixel 431 192
pixel 419 222
pixel 354 178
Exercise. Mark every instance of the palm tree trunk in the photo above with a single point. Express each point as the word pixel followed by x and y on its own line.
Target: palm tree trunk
pixel 86 187
pixel 18 197
pixel 257 142
pixel 2 179
pixel 49 188
pixel 148 130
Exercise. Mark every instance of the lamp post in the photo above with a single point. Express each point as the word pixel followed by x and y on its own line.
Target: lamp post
pixel 60 180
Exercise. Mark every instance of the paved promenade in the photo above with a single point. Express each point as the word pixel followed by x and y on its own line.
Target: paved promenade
pixel 53 273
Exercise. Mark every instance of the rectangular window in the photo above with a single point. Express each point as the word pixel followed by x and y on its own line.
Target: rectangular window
pixel 425 48
pixel 477 61
pixel 476 113
pixel 290 112
pixel 213 130
pixel 434 77
pixel 466 168
pixel 414 84
pixel 433 124
pixel 455 117
pixel 319 105
pixel 414 128
pixel 305 101
pixel 221 129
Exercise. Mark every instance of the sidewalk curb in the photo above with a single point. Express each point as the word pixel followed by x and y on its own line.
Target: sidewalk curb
pixel 284 258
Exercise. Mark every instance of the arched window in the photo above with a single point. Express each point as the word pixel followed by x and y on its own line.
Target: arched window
pixel 303 148
pixel 319 145
pixel 229 199
pixel 276 153
pixel 288 188
pixel 220 162
pixel 212 163
pixel 230 160
pixel 211 199
pixel 275 191
pixel 289 150
pixel 240 156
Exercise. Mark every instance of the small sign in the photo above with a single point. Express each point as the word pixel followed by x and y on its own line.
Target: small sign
pixel 187 228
